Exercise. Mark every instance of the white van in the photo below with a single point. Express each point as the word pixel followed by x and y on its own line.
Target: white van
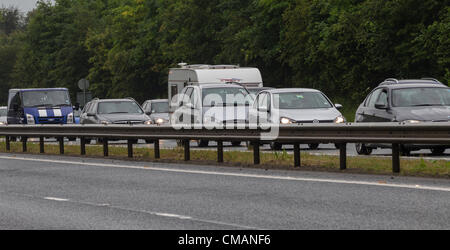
pixel 200 74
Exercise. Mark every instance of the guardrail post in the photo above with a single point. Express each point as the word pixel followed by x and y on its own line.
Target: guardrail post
pixel 24 144
pixel 343 155
pixel 220 151
pixel 41 145
pixel 61 145
pixel 130 148
pixel 83 146
pixel 157 152
pixel 187 153
pixel 8 143
pixel 396 158
pixel 256 156
pixel 105 147
pixel 297 160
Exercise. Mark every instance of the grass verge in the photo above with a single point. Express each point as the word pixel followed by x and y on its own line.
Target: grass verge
pixel 269 160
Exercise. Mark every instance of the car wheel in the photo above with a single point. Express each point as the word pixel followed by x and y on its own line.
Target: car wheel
pixel 438 151
pixel 361 149
pixel 203 143
pixel 313 146
pixel 276 146
pixel 236 143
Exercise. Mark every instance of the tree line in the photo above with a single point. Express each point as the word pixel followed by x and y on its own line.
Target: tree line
pixel 126 47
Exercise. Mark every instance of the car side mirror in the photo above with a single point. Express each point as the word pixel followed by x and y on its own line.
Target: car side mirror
pixel 338 106
pixel 148 112
pixel 381 106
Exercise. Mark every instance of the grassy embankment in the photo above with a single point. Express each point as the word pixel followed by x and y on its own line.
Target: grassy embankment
pixel 269 160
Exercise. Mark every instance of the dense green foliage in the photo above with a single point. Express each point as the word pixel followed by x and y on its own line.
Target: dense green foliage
pixel 125 47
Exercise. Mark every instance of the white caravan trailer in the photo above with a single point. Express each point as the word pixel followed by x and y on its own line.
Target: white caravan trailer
pixel 200 74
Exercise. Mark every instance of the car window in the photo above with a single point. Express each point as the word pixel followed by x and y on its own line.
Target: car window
pixel 119 107
pixel 383 98
pixel 373 98
pixel 187 95
pixel 91 108
pixel 160 107
pixel 301 100
pixel 86 108
pixel 225 96
pixel 3 112
pixel 262 101
pixel 420 97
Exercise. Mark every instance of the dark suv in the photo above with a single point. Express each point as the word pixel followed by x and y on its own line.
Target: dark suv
pixel 410 101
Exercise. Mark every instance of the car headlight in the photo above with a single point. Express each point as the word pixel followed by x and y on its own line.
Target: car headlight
pixel 339 119
pixel 30 119
pixel 412 121
pixel 285 120
pixel 104 122
pixel 149 122
pixel 70 118
pixel 2 123
pixel 160 121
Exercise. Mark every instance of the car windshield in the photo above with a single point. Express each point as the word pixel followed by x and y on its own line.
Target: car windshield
pixel 2 112
pixel 45 98
pixel 160 107
pixel 225 97
pixel 301 100
pixel 421 97
pixel 119 107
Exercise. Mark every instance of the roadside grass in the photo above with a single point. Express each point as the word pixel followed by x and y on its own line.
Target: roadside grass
pixel 269 160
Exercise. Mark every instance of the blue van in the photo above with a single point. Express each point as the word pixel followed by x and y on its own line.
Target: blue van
pixel 40 106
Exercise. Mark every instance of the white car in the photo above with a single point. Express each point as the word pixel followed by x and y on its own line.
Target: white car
pixel 294 106
pixel 212 105
pixel 3 115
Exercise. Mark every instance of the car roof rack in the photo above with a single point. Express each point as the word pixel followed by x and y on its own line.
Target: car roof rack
pixel 432 79
pixel 130 98
pixel 391 81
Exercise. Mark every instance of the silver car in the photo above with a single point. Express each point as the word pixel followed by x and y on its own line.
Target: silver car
pixel 3 115
pixel 213 105
pixel 291 106
pixel 158 110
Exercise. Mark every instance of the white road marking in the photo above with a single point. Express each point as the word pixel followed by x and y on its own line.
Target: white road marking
pixel 55 199
pixel 258 176
pixel 167 215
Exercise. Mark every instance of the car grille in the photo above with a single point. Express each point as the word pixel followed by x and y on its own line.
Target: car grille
pixel 317 121
pixel 234 122
pixel 128 122
pixel 51 120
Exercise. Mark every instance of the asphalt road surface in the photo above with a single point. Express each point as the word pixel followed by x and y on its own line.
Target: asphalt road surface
pixel 57 192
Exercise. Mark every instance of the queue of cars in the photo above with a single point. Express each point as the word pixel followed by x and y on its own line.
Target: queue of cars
pixel 200 95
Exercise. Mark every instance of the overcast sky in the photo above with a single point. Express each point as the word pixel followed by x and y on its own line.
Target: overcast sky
pixel 23 5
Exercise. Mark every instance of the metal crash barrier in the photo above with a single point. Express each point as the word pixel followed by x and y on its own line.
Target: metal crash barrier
pixel 395 134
